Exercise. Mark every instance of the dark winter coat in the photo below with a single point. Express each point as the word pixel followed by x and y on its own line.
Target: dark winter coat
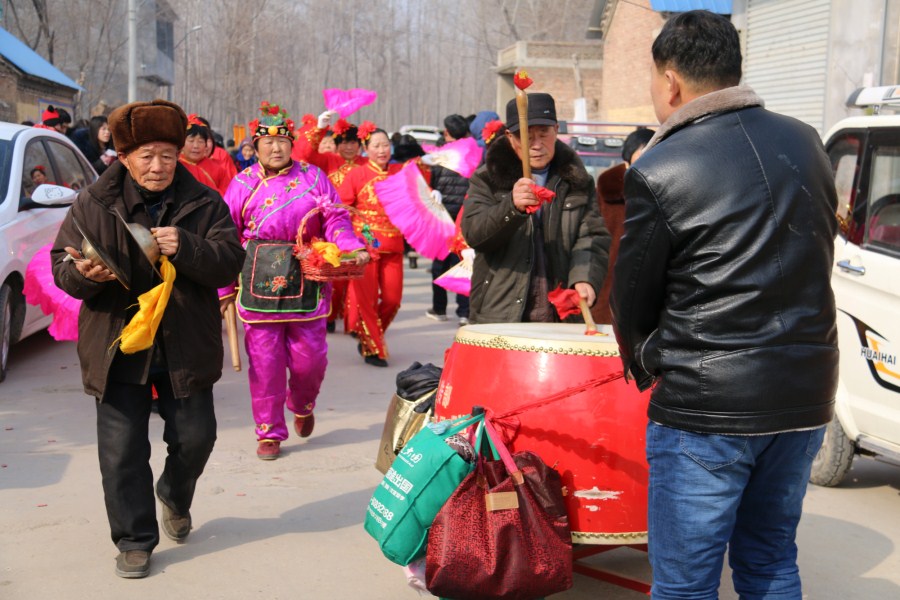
pixel 452 186
pixel 575 241
pixel 722 291
pixel 209 257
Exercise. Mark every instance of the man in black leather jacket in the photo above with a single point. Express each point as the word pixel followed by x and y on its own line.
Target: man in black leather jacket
pixel 722 304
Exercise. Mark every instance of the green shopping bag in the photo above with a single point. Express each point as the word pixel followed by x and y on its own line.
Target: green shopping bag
pixel 425 473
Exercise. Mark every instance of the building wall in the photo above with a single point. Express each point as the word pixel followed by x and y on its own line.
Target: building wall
pixel 625 95
pixel 552 67
pixel 862 51
pixel 24 98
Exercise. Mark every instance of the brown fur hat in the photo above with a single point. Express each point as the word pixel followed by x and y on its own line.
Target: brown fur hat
pixel 139 123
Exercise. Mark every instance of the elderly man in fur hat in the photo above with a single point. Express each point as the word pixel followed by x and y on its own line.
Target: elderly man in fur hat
pixel 194 233
pixel 525 249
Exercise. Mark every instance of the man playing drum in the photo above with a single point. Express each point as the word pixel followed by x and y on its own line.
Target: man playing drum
pixel 522 254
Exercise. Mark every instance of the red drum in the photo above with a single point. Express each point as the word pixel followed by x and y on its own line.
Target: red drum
pixel 594 437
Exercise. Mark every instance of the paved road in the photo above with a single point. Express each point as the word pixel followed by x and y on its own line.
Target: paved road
pixel 291 529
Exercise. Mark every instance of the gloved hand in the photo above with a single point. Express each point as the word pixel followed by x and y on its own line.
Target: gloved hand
pixel 437 196
pixel 468 254
pixel 325 119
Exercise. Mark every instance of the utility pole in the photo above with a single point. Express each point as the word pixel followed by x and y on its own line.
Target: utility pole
pixel 132 50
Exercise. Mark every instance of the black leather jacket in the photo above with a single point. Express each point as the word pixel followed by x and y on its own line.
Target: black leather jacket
pixel 722 297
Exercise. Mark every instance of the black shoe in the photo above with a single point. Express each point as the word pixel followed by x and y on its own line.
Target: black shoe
pixel 133 564
pixel 375 361
pixel 359 349
pixel 413 262
pixel 330 326
pixel 175 526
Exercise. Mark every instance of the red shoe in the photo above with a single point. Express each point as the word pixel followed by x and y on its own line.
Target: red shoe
pixel 268 449
pixel 303 424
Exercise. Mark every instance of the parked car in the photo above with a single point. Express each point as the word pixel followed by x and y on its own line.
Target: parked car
pixel 424 134
pixel 41 172
pixel 865 157
pixel 599 145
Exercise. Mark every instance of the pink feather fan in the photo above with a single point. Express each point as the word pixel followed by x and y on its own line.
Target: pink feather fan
pixel 461 155
pixel 40 290
pixel 408 203
pixel 347 102
pixel 457 279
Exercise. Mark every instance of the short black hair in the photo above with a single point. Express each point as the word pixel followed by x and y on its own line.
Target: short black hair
pixel 200 130
pixel 701 46
pixel 407 147
pixel 368 140
pixel 636 140
pixel 457 126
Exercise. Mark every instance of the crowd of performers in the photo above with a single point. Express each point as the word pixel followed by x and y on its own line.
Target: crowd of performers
pixel 325 168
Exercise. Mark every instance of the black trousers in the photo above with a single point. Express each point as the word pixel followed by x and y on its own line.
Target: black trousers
pixel 123 417
pixel 439 294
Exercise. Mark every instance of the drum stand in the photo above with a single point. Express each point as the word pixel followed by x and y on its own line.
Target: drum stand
pixel 580 551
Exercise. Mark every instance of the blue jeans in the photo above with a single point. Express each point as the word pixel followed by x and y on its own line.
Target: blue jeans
pixel 712 492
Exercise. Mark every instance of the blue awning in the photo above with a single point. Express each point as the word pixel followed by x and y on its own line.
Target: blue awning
pixel 30 62
pixel 722 7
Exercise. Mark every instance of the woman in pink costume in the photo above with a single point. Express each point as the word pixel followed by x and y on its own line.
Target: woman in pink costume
pixel 283 313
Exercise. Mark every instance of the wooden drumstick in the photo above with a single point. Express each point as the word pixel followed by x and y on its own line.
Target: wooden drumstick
pixel 522 107
pixel 231 329
pixel 588 319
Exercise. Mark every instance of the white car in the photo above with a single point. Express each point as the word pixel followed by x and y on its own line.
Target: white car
pixel 865 156
pixel 31 210
pixel 424 134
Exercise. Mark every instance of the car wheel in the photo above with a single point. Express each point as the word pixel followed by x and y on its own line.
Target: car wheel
pixel 834 457
pixel 6 315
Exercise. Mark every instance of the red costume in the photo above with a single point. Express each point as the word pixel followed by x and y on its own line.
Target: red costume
pixel 376 296
pixel 208 172
pixel 221 156
pixel 306 149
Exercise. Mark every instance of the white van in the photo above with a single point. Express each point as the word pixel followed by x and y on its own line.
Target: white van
pixel 865 157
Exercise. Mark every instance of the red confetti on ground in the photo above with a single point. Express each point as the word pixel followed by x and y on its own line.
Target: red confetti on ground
pixel 41 505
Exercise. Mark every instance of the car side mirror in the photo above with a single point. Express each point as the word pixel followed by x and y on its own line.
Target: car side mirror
pixel 53 195
pixel 49 196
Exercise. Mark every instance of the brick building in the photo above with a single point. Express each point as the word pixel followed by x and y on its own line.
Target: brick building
pixel 28 83
pixel 566 70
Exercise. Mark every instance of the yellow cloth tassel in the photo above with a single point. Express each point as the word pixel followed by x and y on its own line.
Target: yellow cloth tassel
pixel 140 332
pixel 329 252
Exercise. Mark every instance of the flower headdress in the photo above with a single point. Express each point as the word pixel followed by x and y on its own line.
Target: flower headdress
pixel 273 122
pixel 194 121
pixel 490 130
pixel 308 119
pixel 365 131
pixel 341 127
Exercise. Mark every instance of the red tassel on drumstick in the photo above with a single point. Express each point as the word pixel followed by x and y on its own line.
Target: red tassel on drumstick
pixel 568 303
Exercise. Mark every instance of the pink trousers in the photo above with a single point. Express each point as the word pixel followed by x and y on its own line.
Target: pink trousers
pixel 287 365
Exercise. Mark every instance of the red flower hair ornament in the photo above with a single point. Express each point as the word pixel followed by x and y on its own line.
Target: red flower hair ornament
pixel 194 121
pixel 490 130
pixel 365 130
pixel 341 127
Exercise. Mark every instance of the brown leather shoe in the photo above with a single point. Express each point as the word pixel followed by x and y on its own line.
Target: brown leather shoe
pixel 175 526
pixel 303 424
pixel 133 564
pixel 268 449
